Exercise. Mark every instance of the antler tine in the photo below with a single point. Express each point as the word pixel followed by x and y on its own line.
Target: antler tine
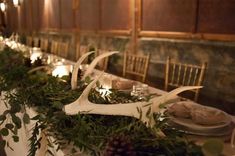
pixel 76 67
pixel 95 61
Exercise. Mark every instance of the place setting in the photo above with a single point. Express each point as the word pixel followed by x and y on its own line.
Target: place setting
pixel 193 118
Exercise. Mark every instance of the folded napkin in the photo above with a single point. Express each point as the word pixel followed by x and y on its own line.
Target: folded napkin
pixel 199 114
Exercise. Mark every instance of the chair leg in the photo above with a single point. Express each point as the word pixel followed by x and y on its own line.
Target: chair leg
pixel 196 95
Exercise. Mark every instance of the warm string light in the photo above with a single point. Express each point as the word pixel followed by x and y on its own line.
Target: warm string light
pixel 3 6
pixel 62 70
pixel 16 3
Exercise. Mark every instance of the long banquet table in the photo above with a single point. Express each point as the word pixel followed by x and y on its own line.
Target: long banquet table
pixel 21 148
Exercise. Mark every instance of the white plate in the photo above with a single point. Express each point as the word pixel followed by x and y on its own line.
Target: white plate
pixel 227 130
pixel 190 124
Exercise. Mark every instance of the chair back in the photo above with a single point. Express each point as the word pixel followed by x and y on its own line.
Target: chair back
pixel 63 48
pixel 180 74
pixel 29 41
pixel 136 65
pixel 44 44
pixel 80 50
pixel 54 47
pixel 35 42
pixel 103 64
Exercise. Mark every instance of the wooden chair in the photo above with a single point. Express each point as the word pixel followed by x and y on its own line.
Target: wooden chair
pixel 54 47
pixel 36 42
pixel 179 74
pixel 103 64
pixel 44 44
pixel 80 50
pixel 136 65
pixel 29 41
pixel 63 48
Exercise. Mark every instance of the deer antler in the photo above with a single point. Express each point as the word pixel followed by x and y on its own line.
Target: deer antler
pixel 95 61
pixel 83 106
pixel 75 69
pixel 90 68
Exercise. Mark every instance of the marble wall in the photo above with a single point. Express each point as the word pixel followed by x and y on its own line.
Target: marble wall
pixel 219 80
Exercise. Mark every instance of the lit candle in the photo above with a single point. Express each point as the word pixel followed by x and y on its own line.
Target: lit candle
pixel 62 70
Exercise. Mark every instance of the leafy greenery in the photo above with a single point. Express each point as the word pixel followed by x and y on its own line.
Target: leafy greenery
pixel 48 94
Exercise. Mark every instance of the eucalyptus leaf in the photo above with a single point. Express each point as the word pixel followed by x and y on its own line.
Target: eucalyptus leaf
pixel 35 117
pixel 16 120
pixel 58 105
pixel 2 144
pixel 213 147
pixel 2 117
pixel 26 118
pixel 9 126
pixel 15 138
pixel 4 132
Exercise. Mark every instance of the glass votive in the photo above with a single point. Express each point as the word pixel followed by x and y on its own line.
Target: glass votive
pixel 140 90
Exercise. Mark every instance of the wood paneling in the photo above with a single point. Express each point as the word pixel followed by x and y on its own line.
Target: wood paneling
pixel 189 19
pixel 67 16
pixel 54 13
pixel 22 17
pixel 12 17
pixel 115 14
pixel 216 16
pixel 28 14
pixel 168 15
pixel 44 13
pixel 87 18
pixel 35 15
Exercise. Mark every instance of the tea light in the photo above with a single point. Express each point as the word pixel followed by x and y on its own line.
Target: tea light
pixel 62 70
pixel 34 56
pixel 106 83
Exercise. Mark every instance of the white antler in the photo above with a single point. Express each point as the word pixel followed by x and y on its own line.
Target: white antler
pixel 83 106
pixel 76 67
pixel 95 61
pixel 89 69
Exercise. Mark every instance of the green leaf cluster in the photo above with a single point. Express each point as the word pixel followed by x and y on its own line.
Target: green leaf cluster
pixel 48 94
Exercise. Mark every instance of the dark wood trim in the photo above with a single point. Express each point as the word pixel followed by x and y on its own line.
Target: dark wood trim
pixel 60 14
pixel 31 14
pixel 89 32
pixel 74 15
pixel 166 34
pixel 218 37
pixel 135 25
pixel 100 15
pixel 139 4
pixel 115 32
pixel 186 35
pixel 195 25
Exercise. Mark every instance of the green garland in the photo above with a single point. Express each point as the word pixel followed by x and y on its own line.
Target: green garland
pixel 90 133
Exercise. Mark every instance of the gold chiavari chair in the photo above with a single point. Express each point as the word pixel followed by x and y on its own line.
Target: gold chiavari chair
pixel 63 48
pixel 29 41
pixel 136 65
pixel 103 64
pixel 80 50
pixel 180 74
pixel 44 44
pixel 36 42
pixel 54 47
